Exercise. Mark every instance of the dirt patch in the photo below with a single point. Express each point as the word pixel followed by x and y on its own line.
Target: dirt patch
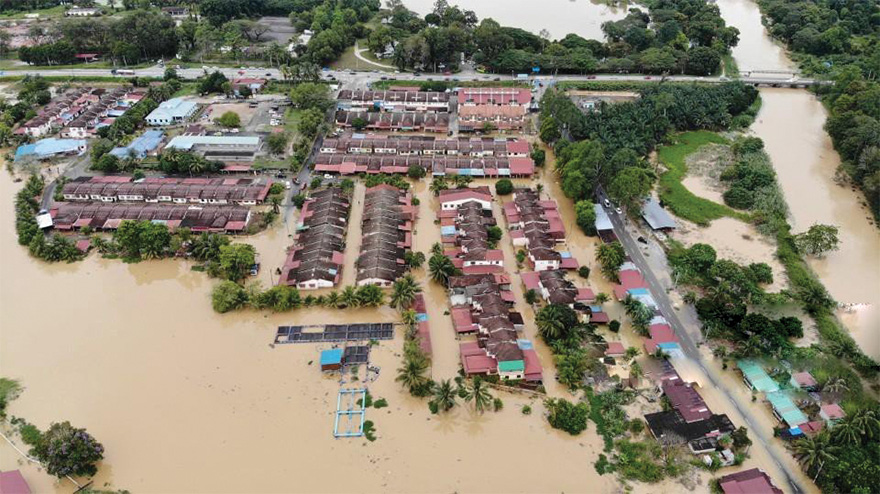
pixel 244 111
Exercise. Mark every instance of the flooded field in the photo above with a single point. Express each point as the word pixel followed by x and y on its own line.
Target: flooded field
pixel 559 17
pixel 177 393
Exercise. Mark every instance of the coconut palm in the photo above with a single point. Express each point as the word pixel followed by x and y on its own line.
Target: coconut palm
pixel 275 201
pixel 867 423
pixel 601 297
pixel 444 395
pixel 846 432
pixel 438 185
pixel 478 392
pixel 409 319
pixel 412 374
pixel 437 249
pixel 835 385
pixel 349 297
pixel 441 268
pixel 370 296
pixel 557 322
pixel 331 299
pixel 813 452
pixel 403 292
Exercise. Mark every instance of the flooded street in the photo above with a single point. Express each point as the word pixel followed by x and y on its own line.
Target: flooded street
pixel 559 17
pixel 178 394
pixel 791 124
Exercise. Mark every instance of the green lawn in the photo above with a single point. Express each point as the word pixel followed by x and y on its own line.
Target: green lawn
pixel 675 195
pixel 348 61
pixel 291 120
pixel 56 11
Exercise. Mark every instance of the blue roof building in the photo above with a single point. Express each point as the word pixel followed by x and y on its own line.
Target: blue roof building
pixel 141 146
pixel 175 110
pixel 48 148
pixel 331 359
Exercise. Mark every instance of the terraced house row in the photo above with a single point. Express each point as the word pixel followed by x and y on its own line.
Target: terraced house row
pixel 386 235
pixel 427 146
pixel 80 112
pixel 98 216
pixel 482 306
pixel 395 101
pixel 464 230
pixel 438 166
pixel 535 224
pixel 395 121
pixel 219 191
pixel 316 259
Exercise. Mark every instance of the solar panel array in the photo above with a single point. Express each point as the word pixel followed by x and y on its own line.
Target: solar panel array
pixel 355 355
pixel 335 332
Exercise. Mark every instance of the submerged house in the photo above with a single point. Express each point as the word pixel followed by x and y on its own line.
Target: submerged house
pixel 386 235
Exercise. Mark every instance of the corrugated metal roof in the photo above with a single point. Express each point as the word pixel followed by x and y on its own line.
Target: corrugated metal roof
pixel 656 216
pixel 760 380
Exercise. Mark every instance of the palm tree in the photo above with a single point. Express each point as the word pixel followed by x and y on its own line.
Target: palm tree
pixel 409 319
pixel 276 203
pixel 441 268
pixel 835 385
pixel 437 249
pixel 412 374
pixel 444 395
pixel 846 432
pixel 438 185
pixel 331 299
pixel 813 452
pixel 866 422
pixel 479 394
pixel 403 292
pixel 370 296
pixel 556 322
pixel 349 297
pixel 601 297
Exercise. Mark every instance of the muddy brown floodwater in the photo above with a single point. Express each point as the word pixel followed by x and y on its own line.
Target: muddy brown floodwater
pixel 559 17
pixel 791 124
pixel 186 400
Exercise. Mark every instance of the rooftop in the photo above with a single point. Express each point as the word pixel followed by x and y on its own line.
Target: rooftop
pixel 753 481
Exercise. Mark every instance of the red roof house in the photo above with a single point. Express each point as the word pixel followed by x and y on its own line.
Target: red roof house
pixel 12 482
pixel 753 481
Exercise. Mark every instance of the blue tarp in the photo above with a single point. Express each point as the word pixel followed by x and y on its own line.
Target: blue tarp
pixel 638 291
pixel 524 344
pixel 331 357
pixel 420 317
pixel 447 230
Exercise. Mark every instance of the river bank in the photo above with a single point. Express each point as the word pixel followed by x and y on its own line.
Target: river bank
pixel 791 124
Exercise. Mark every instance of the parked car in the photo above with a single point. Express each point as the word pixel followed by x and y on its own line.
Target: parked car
pixel 607 203
pixel 619 211
pixel 642 240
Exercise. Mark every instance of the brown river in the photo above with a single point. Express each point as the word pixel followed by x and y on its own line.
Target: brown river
pixel 791 124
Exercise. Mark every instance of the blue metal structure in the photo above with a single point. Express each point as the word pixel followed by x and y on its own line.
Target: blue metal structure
pixel 350 409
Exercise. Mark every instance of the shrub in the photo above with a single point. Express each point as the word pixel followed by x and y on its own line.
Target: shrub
pixel 416 172
pixel 614 326
pixel 227 296
pixel 503 187
pixel 229 119
pixel 380 403
pixel 66 450
pixel 584 272
pixel 567 416
pixel 526 410
pixel 497 404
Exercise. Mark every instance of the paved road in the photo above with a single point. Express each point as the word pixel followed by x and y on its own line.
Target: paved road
pixel 346 77
pixel 686 319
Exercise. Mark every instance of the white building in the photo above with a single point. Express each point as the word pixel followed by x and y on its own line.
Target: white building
pixel 175 110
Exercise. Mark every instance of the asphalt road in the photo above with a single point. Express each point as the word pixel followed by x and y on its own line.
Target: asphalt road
pixel 363 77
pixel 686 319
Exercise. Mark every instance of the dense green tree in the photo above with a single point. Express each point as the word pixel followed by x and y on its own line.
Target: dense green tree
pixel 66 450
pixel 236 260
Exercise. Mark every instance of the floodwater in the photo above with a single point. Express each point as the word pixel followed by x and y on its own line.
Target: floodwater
pixel 559 17
pixel 791 124
pixel 178 394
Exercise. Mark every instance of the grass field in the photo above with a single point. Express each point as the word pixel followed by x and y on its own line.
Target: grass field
pixel 56 11
pixel 348 61
pixel 674 195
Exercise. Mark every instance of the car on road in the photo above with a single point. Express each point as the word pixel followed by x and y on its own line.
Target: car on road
pixel 287 185
pixel 447 73
pixel 618 210
pixel 496 79
pixel 647 78
pixel 327 176
pixel 296 180
pixel 607 203
pixel 591 77
pixel 642 240
pixel 177 67
pixel 268 74
pixel 240 72
pixel 417 74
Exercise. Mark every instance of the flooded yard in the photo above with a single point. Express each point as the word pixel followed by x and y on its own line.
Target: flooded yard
pixel 179 394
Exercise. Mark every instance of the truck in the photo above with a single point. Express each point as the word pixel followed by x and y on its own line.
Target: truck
pixel 522 77
pixel 122 72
